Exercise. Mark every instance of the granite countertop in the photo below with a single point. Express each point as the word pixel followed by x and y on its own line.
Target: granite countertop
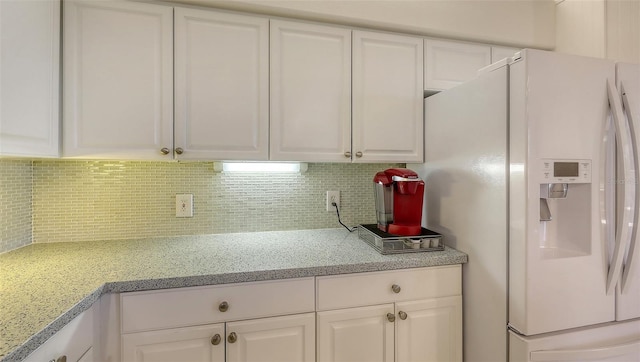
pixel 43 286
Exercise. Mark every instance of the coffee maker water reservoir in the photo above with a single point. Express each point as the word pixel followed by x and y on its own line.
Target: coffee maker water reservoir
pixel 398 196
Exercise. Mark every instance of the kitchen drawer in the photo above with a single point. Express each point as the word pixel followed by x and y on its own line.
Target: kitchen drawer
pixel 352 290
pixel 181 307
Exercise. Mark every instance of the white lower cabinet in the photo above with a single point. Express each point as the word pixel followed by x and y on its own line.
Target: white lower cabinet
pixel 73 343
pixel 407 315
pixel 388 316
pixel 200 343
pixel 277 339
pixel 429 330
pixel 256 321
pixel 356 334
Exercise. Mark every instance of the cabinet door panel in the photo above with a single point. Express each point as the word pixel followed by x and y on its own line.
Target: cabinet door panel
pixel 310 92
pixel 356 335
pixel 449 63
pixel 74 341
pixel 498 53
pixel 118 80
pixel 29 74
pixel 432 330
pixel 276 339
pixel 387 98
pixel 178 344
pixel 222 85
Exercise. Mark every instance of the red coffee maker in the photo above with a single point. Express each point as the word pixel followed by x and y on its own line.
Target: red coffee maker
pixel 398 194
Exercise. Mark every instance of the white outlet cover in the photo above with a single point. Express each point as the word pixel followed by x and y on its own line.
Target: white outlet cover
pixel 184 205
pixel 333 195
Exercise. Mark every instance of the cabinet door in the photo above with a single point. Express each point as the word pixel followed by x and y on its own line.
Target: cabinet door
pixel 118 80
pixel 310 92
pixel 498 53
pixel 74 341
pixel 448 64
pixel 429 330
pixel 387 98
pixel 276 339
pixel 197 344
pixel 29 78
pixel 362 334
pixel 222 86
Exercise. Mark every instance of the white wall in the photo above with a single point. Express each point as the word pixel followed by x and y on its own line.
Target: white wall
pixel 580 27
pixel 599 28
pixel 623 30
pixel 521 23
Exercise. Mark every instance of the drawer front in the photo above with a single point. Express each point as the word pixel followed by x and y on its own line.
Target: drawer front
pixel 352 290
pixel 181 307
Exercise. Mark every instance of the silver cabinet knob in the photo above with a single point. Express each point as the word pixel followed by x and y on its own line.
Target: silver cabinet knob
pixel 223 307
pixel 165 151
pixel 233 337
pixel 347 154
pixel 402 315
pixel 396 288
pixel 179 150
pixel 391 317
pixel 358 154
pixel 215 340
pixel 62 359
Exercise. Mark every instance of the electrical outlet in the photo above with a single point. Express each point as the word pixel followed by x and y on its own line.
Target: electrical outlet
pixel 333 196
pixel 184 205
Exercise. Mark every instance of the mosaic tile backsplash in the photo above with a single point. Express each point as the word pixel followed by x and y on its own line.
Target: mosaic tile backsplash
pixel 101 200
pixel 15 204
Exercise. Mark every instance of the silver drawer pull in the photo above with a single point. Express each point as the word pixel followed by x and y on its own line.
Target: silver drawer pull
pixel 223 307
pixel 396 288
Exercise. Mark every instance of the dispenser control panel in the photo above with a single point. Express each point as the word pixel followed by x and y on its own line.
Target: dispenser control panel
pixel 565 171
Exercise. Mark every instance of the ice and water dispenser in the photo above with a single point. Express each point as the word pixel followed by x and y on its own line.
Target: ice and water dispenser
pixel 565 208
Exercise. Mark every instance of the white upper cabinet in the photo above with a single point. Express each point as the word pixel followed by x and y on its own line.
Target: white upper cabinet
pixel 387 97
pixel 449 63
pixel 499 53
pixel 29 78
pixel 221 86
pixel 310 92
pixel 118 80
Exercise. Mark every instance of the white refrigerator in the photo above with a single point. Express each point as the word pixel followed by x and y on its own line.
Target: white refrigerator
pixel 531 170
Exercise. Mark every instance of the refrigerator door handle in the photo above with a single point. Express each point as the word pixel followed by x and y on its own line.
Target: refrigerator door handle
pixel 630 272
pixel 624 148
pixel 598 353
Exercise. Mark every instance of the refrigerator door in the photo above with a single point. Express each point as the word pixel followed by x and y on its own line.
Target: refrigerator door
pixel 465 174
pixel 558 269
pixel 628 288
pixel 611 342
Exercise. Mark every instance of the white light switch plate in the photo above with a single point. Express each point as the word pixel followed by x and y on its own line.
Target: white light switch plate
pixel 184 205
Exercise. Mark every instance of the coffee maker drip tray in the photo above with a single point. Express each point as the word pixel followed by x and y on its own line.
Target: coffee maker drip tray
pixel 386 243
